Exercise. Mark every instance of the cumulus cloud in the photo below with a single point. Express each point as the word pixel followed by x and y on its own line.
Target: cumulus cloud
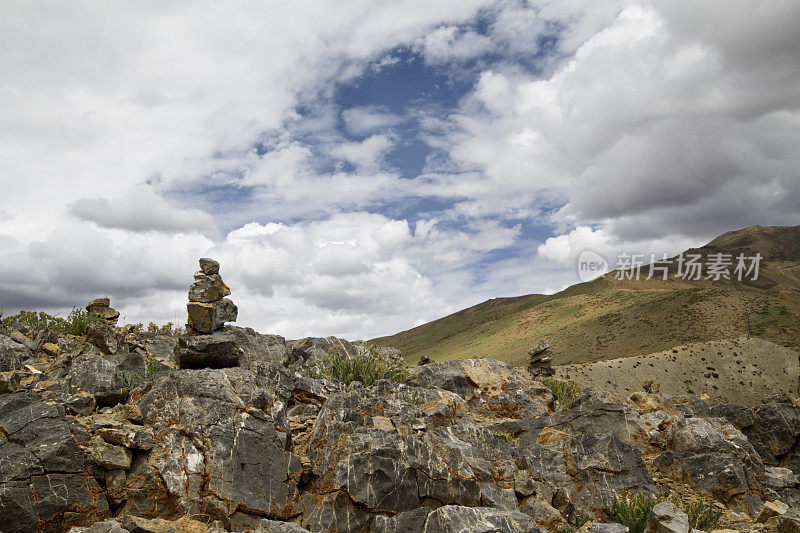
pixel 140 209
pixel 659 125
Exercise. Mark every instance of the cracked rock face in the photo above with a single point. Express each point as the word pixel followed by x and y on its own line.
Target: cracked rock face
pixel 471 445
pixel 45 484
pixel 221 446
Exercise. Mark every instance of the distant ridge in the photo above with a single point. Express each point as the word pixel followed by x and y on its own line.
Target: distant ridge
pixel 609 319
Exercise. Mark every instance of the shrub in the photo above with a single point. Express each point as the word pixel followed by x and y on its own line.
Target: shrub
pixel 702 515
pixel 633 510
pixel 563 391
pixel 74 324
pixel 368 366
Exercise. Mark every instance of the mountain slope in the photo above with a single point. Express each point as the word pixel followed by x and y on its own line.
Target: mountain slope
pixel 609 318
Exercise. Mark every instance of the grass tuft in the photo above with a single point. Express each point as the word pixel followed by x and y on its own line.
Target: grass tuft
pixel 702 515
pixel 564 391
pixel 633 510
pixel 74 324
pixel 367 367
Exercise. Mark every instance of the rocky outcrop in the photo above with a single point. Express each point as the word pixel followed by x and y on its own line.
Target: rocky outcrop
pixel 105 434
pixel 208 308
pixel 45 481
pixel 227 347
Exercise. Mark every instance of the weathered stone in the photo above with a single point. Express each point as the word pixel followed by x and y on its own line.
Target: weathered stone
pixel 80 404
pixel 770 509
pixel 780 478
pixel 539 349
pixel 137 524
pixel 109 455
pixel 12 354
pixel 221 448
pixel 44 480
pixel 100 307
pixel 600 527
pixel 50 348
pixel 209 266
pixel 274 526
pixel 457 519
pixel 106 526
pixel 107 339
pixel 208 289
pixel 10 381
pixel 773 429
pixel 408 521
pixel 492 389
pixel 207 317
pixel 715 458
pixel 667 518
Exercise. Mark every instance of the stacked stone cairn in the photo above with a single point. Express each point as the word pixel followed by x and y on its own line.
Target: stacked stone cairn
pixel 208 308
pixel 539 361
pixel 101 307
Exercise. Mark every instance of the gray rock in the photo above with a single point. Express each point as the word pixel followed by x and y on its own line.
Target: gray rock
pixel 207 317
pixel 208 266
pixel 43 475
pixel 208 289
pixel 228 347
pixel 274 526
pixel 408 521
pixel 10 381
pixel 715 458
pixel 602 527
pixel 773 429
pixel 492 389
pixel 12 354
pixel 667 518
pixel 458 519
pixel 159 346
pixel 602 465
pixel 221 448
pixel 540 348
pixel 106 526
pixel 107 339
pixel 780 478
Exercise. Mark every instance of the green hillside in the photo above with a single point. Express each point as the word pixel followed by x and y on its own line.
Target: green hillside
pixel 609 319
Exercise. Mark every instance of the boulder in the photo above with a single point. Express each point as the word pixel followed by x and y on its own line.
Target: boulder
pixel 220 451
pixel 107 339
pixel 715 458
pixel 771 509
pixel 456 519
pixel 667 518
pixel 12 354
pixel 45 484
pixel 207 317
pixel 492 389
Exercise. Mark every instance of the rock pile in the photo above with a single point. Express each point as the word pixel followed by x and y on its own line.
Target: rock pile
pixel 101 307
pixel 101 437
pixel 208 308
pixel 539 362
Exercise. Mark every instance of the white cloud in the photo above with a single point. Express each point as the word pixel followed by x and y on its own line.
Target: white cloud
pixel 366 155
pixel 140 209
pixel 364 120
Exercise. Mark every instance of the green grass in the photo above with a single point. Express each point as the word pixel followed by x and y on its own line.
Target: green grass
pixel 563 391
pixel 367 367
pixel 74 324
pixel 702 515
pixel 632 510
pixel 510 438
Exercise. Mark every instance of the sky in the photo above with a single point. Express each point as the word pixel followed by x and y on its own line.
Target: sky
pixel 360 167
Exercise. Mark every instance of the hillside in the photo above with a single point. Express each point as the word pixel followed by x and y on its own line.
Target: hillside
pixel 610 319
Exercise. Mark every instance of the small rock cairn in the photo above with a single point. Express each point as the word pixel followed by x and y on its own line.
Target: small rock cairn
pixel 208 308
pixel 101 306
pixel 539 362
